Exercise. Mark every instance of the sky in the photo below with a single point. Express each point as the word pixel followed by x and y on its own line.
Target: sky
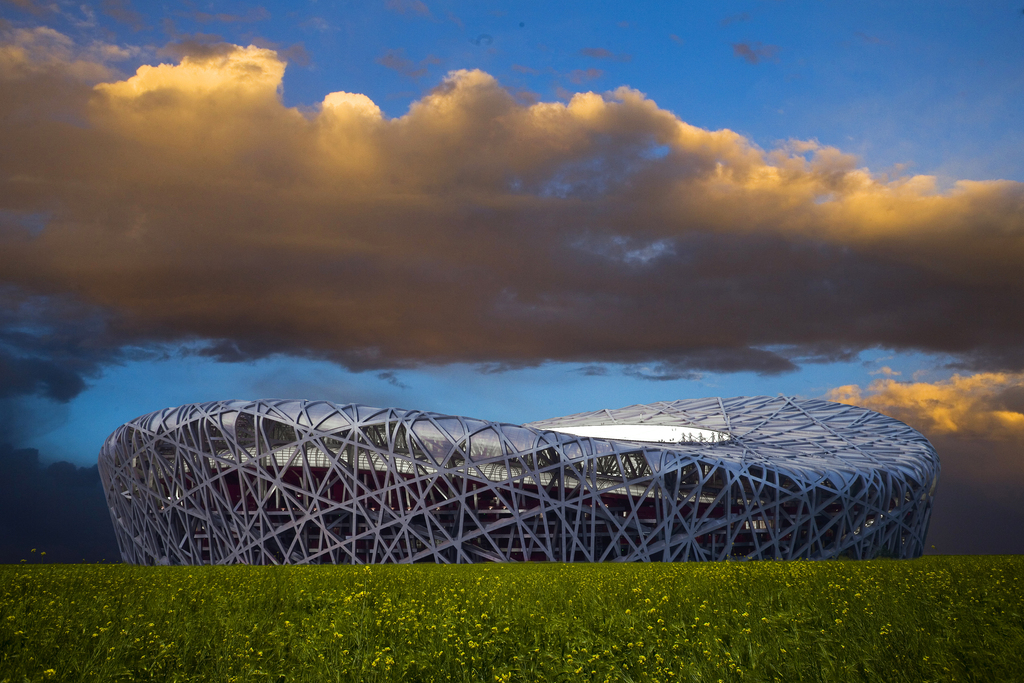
pixel 511 211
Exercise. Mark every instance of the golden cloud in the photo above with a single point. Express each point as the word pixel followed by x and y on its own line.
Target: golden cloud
pixel 988 405
pixel 188 202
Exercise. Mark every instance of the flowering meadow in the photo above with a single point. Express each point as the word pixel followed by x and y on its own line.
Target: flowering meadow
pixel 931 619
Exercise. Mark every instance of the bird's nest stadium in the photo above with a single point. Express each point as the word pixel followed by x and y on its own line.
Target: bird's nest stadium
pixel 292 482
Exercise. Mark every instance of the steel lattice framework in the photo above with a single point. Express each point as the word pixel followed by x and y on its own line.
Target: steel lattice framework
pixel 283 481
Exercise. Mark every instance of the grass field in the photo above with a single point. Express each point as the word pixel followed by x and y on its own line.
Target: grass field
pixel 932 619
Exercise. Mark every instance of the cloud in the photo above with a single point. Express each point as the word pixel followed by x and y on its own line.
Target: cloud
pixel 396 61
pixel 601 53
pixel 58 509
pixel 987 405
pixel 526 97
pixel 755 53
pixel 197 47
pixel 408 7
pixel 122 11
pixel 32 7
pixel 391 378
pixel 579 76
pixel 296 53
pixel 659 373
pixel 254 15
pixel 44 54
pixel 291 54
pixel 50 346
pixel 33 375
pixel 976 424
pixel 187 203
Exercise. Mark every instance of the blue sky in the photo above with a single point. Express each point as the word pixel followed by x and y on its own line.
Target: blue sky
pixel 876 111
pixel 518 396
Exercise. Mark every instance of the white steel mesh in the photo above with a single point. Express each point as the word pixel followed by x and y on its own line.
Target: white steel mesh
pixel 283 481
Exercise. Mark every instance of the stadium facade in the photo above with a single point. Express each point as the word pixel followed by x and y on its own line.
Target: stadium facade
pixel 288 481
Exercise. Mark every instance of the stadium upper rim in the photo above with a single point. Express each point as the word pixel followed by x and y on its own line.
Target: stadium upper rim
pixel 813 437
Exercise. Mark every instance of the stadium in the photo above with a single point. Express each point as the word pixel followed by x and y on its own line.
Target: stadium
pixel 294 482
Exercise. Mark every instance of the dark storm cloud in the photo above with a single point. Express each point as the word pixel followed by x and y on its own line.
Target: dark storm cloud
pixel 21 375
pixel 188 203
pixel 58 509
pixel 50 346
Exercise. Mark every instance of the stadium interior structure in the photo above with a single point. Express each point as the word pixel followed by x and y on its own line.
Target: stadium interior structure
pixel 291 481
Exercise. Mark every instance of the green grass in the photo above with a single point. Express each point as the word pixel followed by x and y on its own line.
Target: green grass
pixel 932 619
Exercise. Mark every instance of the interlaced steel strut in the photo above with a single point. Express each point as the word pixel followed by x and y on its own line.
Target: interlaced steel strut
pixel 290 482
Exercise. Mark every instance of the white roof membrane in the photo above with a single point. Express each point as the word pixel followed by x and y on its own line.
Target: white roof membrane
pixel 644 433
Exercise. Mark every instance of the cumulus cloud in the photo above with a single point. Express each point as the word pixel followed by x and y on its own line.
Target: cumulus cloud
pixel 988 405
pixel 42 54
pixel 187 202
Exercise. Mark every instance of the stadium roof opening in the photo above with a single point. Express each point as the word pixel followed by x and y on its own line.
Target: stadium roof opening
pixel 645 433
